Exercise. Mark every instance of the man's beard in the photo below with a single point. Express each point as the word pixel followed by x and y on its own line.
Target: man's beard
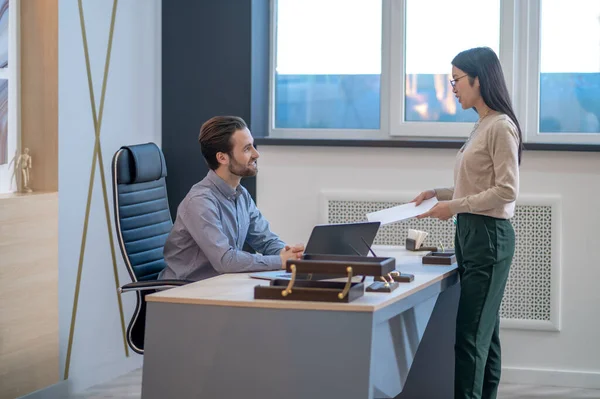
pixel 237 169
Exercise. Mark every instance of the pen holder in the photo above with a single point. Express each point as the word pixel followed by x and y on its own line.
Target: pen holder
pixel 381 286
pixel 394 277
pixel 402 277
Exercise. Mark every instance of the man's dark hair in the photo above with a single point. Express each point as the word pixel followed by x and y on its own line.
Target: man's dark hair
pixel 215 136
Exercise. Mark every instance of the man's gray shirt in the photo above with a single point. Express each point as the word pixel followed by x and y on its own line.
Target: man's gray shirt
pixel 213 223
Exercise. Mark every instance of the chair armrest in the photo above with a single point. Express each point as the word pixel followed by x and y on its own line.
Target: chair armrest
pixel 152 285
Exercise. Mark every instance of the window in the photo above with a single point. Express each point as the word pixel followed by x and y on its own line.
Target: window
pixel 328 64
pixel 428 93
pixel 424 94
pixel 378 69
pixel 569 77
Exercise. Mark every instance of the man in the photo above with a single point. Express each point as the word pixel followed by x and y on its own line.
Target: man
pixel 218 215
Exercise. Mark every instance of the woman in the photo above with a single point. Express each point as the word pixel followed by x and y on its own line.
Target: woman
pixel 486 184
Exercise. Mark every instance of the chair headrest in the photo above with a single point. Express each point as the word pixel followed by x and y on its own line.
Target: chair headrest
pixel 140 163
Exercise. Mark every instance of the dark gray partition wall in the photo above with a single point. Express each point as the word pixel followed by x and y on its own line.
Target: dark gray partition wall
pixel 214 62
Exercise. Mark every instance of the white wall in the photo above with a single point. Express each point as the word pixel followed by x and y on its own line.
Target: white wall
pixel 291 179
pixel 131 115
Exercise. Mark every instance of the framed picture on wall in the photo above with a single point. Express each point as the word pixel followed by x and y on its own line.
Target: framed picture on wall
pixel 3 121
pixel 4 82
pixel 9 94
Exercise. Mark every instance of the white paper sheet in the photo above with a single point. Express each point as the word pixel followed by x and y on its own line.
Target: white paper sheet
pixel 401 212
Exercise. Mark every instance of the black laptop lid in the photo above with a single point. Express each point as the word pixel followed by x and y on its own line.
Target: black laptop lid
pixel 342 239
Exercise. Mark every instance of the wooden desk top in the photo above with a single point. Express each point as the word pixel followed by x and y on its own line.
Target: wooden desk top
pixel 237 290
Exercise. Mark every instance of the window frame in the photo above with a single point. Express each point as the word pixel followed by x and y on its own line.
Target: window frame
pixel 519 52
pixel 356 134
pixel 438 130
pixel 530 69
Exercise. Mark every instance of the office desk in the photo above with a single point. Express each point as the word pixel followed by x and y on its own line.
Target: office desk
pixel 212 339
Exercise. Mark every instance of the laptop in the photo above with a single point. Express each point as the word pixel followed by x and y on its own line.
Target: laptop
pixel 331 239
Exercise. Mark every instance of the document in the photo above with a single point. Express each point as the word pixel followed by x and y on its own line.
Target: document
pixel 401 212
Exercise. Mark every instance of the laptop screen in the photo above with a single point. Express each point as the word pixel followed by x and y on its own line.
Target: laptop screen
pixel 342 239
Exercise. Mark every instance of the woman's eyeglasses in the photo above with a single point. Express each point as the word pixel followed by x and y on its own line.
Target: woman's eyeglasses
pixel 453 82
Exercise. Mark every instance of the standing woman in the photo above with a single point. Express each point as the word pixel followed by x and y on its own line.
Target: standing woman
pixel 486 184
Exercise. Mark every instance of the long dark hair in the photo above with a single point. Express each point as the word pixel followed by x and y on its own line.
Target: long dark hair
pixel 483 63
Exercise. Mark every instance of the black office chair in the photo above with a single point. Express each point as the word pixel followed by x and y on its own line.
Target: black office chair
pixel 143 222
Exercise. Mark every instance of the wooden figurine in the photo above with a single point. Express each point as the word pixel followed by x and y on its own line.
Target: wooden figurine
pixel 24 164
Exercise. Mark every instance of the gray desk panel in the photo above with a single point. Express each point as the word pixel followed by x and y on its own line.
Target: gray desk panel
pixel 395 344
pixel 432 373
pixel 222 352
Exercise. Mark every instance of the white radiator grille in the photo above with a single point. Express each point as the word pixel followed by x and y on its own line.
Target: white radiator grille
pixel 528 290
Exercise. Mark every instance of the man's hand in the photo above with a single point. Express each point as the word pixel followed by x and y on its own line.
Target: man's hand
pixel 441 211
pixel 425 195
pixel 291 252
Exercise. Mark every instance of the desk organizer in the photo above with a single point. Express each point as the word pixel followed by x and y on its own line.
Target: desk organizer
pixel 334 266
pixel 411 245
pixel 439 258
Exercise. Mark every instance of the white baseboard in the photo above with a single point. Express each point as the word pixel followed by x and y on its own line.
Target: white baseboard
pixel 547 377
pixel 535 325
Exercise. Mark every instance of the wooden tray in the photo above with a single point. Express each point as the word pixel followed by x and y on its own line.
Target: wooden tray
pixel 337 265
pixel 331 266
pixel 439 258
pixel 319 291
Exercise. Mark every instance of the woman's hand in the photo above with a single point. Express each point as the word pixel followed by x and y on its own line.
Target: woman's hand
pixel 441 211
pixel 425 195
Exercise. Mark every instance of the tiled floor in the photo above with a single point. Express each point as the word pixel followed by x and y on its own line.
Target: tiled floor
pixel 129 387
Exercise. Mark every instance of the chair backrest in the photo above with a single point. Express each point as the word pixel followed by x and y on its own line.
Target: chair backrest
pixel 142 216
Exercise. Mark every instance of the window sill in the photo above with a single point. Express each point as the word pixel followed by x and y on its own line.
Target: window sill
pixel 417 143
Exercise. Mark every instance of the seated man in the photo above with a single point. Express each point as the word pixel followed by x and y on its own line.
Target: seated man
pixel 218 215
